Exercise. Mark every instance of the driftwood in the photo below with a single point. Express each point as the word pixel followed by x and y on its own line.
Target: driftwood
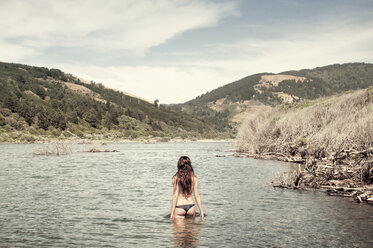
pixel 271 156
pixel 347 173
pixel 223 155
pixel 97 150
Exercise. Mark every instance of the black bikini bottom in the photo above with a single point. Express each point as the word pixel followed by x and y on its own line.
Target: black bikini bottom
pixel 186 207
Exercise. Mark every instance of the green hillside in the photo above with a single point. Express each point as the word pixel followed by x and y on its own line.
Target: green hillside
pixel 222 107
pixel 38 103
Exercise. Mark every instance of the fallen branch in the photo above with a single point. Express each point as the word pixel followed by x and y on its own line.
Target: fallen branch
pixel 97 150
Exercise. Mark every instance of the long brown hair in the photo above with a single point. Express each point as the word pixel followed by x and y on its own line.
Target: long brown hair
pixel 184 175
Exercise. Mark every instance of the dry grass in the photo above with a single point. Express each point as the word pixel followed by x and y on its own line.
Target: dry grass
pixel 84 91
pixel 325 126
pixel 277 78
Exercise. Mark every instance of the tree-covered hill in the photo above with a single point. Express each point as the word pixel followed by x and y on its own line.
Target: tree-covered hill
pixel 37 103
pixel 224 106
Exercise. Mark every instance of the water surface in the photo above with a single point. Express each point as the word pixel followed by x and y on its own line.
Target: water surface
pixel 123 199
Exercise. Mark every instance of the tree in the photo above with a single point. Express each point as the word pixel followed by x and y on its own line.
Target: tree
pixel 107 121
pixel 39 90
pixel 20 79
pixel 43 121
pixel 156 103
pixel 72 117
pixel 2 120
pixel 11 102
pixel 27 111
pixel 57 119
pixel 91 117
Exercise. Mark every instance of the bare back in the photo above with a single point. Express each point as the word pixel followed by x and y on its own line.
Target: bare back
pixel 182 199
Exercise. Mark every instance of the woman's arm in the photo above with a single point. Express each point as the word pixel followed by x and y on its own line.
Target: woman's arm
pixel 197 197
pixel 175 195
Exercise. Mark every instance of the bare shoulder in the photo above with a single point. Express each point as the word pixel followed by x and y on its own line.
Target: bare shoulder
pixel 195 178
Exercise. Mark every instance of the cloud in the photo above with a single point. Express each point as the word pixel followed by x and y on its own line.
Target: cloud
pixel 175 82
pixel 118 35
pixel 127 26
pixel 14 52
pixel 295 49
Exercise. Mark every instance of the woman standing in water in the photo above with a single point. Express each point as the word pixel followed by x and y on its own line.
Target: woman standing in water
pixel 185 183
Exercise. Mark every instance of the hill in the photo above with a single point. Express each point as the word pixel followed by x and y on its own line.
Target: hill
pixel 332 136
pixel 225 107
pixel 38 103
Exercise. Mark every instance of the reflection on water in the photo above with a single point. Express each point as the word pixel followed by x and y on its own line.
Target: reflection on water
pixel 123 199
pixel 187 232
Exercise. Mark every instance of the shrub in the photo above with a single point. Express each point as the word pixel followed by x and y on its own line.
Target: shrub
pixel 77 131
pixel 340 123
pixel 27 137
pixel 2 120
pixel 54 132
pixel 5 112
pixel 15 124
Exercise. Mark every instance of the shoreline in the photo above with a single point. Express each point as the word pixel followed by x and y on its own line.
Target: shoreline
pixel 329 175
pixel 95 141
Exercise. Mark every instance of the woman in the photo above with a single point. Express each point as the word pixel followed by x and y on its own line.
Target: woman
pixel 185 183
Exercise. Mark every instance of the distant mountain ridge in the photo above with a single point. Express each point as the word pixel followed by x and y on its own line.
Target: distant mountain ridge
pixel 37 103
pixel 225 106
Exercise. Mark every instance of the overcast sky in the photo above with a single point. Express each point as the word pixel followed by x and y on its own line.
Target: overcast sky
pixel 176 50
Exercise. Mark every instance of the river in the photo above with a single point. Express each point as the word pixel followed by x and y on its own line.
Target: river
pixel 123 199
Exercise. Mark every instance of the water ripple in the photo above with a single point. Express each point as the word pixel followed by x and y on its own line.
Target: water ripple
pixel 123 200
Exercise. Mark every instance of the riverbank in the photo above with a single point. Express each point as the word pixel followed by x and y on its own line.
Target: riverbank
pixel 146 140
pixel 331 139
pixel 343 175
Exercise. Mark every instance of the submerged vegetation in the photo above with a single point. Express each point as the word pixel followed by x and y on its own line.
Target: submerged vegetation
pixel 55 149
pixel 333 137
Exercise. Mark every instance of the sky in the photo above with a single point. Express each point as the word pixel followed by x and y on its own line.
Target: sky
pixel 176 50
